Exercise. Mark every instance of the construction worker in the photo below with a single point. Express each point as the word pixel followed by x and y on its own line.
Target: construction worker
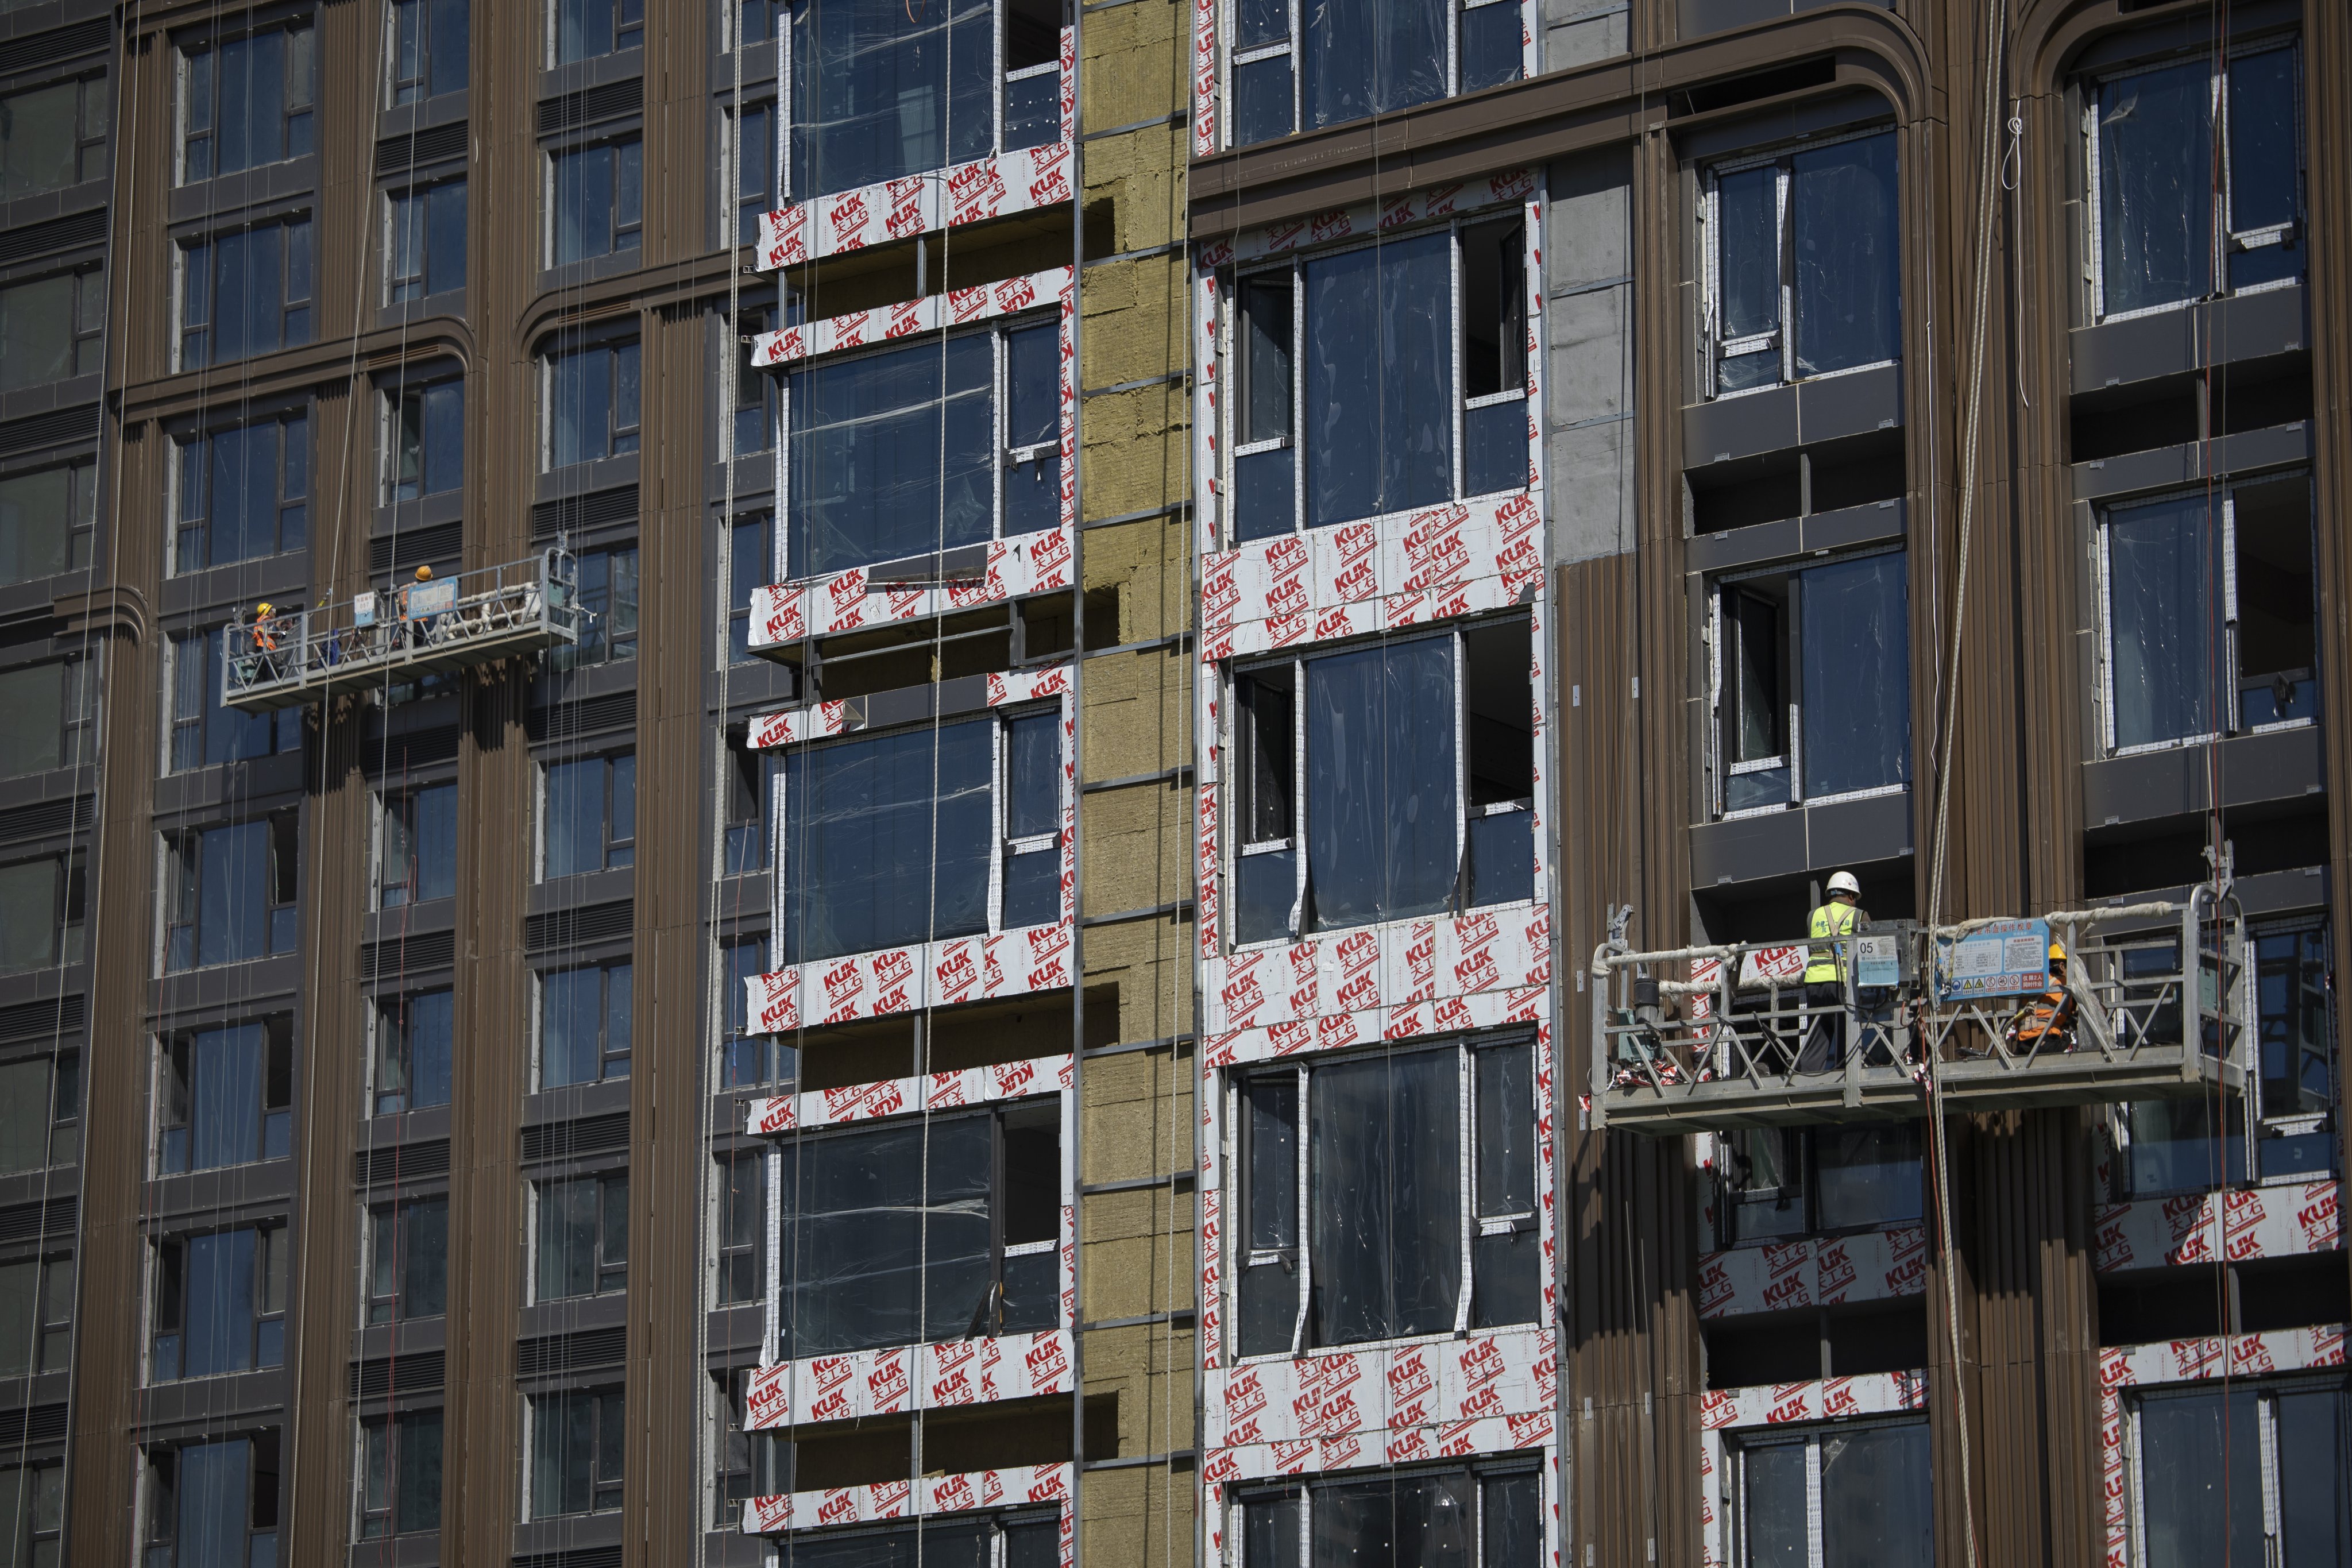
pixel 2046 1023
pixel 1829 961
pixel 416 632
pixel 265 639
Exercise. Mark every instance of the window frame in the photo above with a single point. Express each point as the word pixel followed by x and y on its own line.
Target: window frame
pixel 1230 348
pixel 159 1492
pixel 403 288
pixel 84 337
pixel 400 90
pixel 180 892
pixel 1291 45
pixel 399 806
pixel 1714 346
pixel 1742 1441
pixel 610 1269
pixel 80 530
pixel 2224 490
pixel 69 908
pixel 606 1056
pixel 52 1314
pixel 1720 631
pixel 733 1256
pixel 2222 240
pixel 297 115
pixel 621 26
pixel 191 465
pixel 42 1494
pixel 767 1455
pixel 626 235
pixel 1234 848
pixel 391 1016
pixel 61 1096
pixel 2266 1391
pixel 1298 1260
pixel 92 124
pixel 176 1095
pixel 378 1459
pixel 616 851
pixel 622 438
pixel 78 733
pixel 1479 1470
pixel 769 1055
pixel 171 1286
pixel 195 255
pixel 606 1403
pixel 602 641
pixel 390 1222
pixel 284 733
pixel 1728 1199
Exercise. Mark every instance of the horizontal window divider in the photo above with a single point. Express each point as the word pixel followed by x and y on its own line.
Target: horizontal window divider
pixel 1148 251
pixel 1181 908
pixel 1143 1320
pixel 1148 644
pixel 1174 1458
pixel 1138 385
pixel 1174 117
pixel 1173 508
pixel 1138 1184
pixel 1165 1042
pixel 1128 781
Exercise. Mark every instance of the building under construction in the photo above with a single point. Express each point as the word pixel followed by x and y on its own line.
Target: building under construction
pixel 1047 781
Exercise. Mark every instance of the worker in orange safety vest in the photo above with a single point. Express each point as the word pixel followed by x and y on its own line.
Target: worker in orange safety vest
pixel 2046 1023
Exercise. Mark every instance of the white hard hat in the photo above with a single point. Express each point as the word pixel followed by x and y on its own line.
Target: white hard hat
pixel 1843 882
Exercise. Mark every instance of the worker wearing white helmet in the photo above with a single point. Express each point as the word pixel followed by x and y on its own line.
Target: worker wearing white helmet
pixel 1828 958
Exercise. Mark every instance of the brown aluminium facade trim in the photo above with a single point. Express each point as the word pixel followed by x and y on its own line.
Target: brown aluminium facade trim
pixel 1542 118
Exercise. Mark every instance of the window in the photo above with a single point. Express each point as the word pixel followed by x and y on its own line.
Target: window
pixel 761 21
pixel 1776 1183
pixel 597 200
pixel 429 46
pixel 41 913
pixel 742 1226
pixel 584 29
pixel 2179 215
pixel 751 154
pixel 589 821
pixel 887 836
pixel 246 101
pixel 417 846
pixel 38 1096
pixel 592 404
pixel 52 328
pixel 607 586
pixel 51 137
pixel 220 1303
pixel 2249 1472
pixel 954 1538
pixel 751 564
pixel 1381 756
pixel 231 893
pixel 1442 1519
pixel 936 1228
pixel 1355 1232
pixel 750 793
pixel 47 716
pixel 2170 1145
pixel 583 1237
pixel 1811 683
pixel 33 1513
pixel 576 1444
pixel 1803 264
pixel 428 448
pixel 203 733
pixel 755 393
pixel 243 494
pixel 751 1464
pixel 412 1040
pixel 1415 391
pixel 213 1505
pixel 47 520
pixel 36 1318
pixel 746 1056
pixel 1845 1496
pixel 876 96
pixel 2209 622
pixel 229 1097
pixel 583 1025
pixel 425 241
pixel 900 453
pixel 244 292
pixel 1360 57
pixel 400 1475
pixel 408 1261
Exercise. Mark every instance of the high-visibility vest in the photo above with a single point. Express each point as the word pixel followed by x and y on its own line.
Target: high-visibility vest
pixel 1825 961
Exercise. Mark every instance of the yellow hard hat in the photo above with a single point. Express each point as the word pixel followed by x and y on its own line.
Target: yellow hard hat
pixel 425 574
pixel 265 608
pixel 2057 950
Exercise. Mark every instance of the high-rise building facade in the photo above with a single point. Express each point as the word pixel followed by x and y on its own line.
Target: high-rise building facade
pixel 809 781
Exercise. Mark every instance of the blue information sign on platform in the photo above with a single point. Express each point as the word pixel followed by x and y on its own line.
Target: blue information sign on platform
pixel 2007 958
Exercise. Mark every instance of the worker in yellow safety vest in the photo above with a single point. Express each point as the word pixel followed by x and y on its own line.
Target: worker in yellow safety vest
pixel 1829 960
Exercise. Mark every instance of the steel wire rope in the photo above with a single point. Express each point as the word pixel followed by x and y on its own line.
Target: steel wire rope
pixel 1987 179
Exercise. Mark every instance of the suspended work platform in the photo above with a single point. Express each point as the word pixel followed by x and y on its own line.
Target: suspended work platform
pixel 2155 1000
pixel 417 628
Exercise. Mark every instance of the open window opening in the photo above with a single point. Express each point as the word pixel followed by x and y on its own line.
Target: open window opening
pixel 1412 764
pixel 219 1304
pixel 212 1504
pixel 1413 393
pixel 1803 264
pixel 933 1228
pixel 1486 1515
pixel 227 1097
pixel 1363 1216
pixel 1811 678
pixel 2209 619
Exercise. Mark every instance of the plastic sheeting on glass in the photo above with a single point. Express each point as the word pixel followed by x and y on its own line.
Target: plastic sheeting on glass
pixel 1385 1172
pixel 1380 378
pixel 1855 619
pixel 1033 811
pixel 2292 993
pixel 2201 1478
pixel 2266 166
pixel 2156 180
pixel 1396 1521
pixel 2164 628
pixel 893 455
pixel 936 1542
pixel 885 1236
pixel 1033 420
pixel 1877 1511
pixel 1747 270
pixel 1268 1293
pixel 1866 1176
pixel 1846 297
pixel 1370 57
pixel 887 840
pixel 2313 1445
pixel 1381 802
pixel 883 88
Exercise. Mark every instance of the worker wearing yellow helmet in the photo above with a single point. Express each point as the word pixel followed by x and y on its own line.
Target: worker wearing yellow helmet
pixel 2046 1023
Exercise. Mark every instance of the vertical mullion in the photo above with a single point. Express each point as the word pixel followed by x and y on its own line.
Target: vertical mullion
pixel 2226 714
pixel 1784 259
pixel 1464 1172
pixel 1453 347
pixel 1814 1546
pixel 1297 377
pixel 999 787
pixel 998 420
pixel 1461 747
pixel 1303 1141
pixel 1298 802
